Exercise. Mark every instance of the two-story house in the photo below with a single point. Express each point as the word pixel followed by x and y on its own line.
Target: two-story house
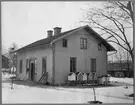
pixel 80 49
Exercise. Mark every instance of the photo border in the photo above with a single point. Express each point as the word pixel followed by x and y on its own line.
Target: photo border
pixel 58 1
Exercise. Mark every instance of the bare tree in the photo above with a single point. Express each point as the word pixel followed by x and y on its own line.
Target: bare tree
pixel 12 56
pixel 122 60
pixel 119 57
pixel 113 19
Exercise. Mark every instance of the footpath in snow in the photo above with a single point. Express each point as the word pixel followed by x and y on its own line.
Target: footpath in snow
pixel 23 93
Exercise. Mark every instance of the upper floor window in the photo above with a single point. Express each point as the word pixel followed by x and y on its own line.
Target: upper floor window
pixel 99 47
pixel 64 42
pixel 83 43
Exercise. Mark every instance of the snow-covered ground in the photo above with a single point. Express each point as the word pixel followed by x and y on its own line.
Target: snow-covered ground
pixel 50 94
pixel 124 80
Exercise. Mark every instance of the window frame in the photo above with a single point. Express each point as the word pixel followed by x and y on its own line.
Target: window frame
pixel 73 64
pixel 64 42
pixel 35 65
pixel 93 67
pixel 83 43
pixel 45 59
pixel 100 47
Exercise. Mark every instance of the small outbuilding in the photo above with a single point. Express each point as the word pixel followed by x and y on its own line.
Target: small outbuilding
pixel 89 75
pixel 72 76
pixel 84 76
pixel 79 76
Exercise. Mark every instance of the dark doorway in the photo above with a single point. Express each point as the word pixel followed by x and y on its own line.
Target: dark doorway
pixel 43 65
pixel 32 71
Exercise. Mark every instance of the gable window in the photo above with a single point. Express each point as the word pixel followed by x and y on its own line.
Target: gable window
pixel 100 47
pixel 21 63
pixel 64 42
pixel 83 43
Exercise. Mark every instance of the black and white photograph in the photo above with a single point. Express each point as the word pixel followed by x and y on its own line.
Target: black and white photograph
pixel 70 52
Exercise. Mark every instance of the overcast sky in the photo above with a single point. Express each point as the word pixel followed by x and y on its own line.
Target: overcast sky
pixel 26 22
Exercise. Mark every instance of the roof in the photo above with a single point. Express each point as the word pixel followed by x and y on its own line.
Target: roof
pixel 71 73
pixel 84 74
pixel 4 57
pixel 50 39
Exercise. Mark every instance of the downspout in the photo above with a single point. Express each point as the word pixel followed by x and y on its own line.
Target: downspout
pixel 53 62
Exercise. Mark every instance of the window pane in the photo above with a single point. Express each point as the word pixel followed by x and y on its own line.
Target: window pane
pixel 64 42
pixel 83 43
pixel 35 62
pixel 43 65
pixel 99 46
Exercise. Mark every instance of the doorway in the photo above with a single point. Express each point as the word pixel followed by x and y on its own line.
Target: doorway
pixel 32 71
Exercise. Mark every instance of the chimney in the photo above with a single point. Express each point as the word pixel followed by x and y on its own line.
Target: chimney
pixel 57 30
pixel 49 33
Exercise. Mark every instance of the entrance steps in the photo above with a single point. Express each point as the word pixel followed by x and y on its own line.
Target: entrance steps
pixel 43 78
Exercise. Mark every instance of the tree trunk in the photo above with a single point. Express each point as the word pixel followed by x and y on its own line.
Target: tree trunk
pixel 132 64
pixel 94 94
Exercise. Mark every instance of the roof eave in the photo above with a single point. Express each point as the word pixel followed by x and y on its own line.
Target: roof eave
pixel 108 46
pixel 24 49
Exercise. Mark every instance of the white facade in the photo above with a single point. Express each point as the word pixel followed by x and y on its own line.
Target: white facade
pixel 62 56
pixel 60 61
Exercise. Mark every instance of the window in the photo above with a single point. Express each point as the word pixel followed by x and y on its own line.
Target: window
pixel 27 63
pixel 99 47
pixel 72 64
pixel 83 43
pixel 64 42
pixel 21 63
pixel 44 60
pixel 93 65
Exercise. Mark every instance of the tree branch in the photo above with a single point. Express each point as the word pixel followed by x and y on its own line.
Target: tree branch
pixel 118 44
